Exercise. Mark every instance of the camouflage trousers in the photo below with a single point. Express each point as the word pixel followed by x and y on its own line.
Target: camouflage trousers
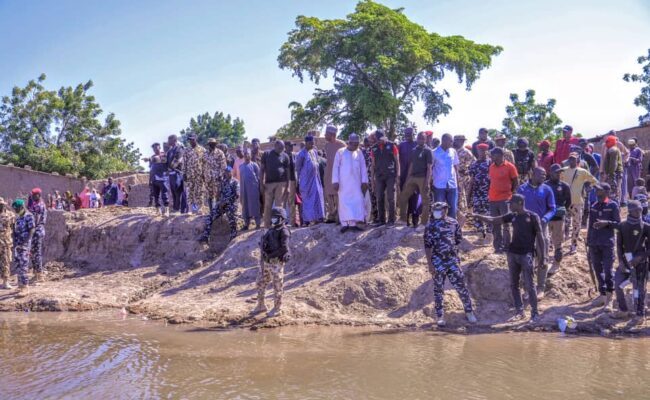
pixel 448 268
pixel 230 211
pixel 463 185
pixel 22 264
pixel 195 191
pixel 482 207
pixel 37 250
pixel 5 259
pixel 272 271
pixel 615 184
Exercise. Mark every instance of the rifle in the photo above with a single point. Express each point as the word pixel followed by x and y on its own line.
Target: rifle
pixel 592 274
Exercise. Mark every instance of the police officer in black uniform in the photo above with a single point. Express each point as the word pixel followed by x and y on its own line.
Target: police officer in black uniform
pixel 385 167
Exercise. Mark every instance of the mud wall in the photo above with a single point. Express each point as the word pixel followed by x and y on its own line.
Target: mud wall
pixel 18 182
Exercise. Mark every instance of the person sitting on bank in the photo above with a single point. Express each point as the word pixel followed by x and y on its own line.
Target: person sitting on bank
pixel 441 239
pixel 275 254
pixel 527 240
pixel 227 205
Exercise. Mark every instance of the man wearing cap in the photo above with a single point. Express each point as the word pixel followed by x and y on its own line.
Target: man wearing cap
pixel 227 205
pixel 545 156
pixel 7 221
pixel 539 198
pixel 38 209
pixel 175 159
pixel 503 183
pixel 441 239
pixel 479 186
pixel 385 171
pixel 156 152
pixel 445 174
pixel 417 181
pixel 368 142
pixel 587 157
pixel 500 142
pixel 214 165
pixel 601 242
pixel 465 159
pixel 23 233
pixel 406 148
pixel 527 239
pixel 633 165
pixel 524 160
pixel 562 195
pixel 332 145
pixel 311 187
pixel 577 178
pixel 275 254
pixel 350 180
pixel 482 138
pixel 611 168
pixel 239 160
pixel 563 146
pixel 193 173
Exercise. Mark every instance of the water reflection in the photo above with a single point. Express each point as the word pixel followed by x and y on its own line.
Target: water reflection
pixel 100 356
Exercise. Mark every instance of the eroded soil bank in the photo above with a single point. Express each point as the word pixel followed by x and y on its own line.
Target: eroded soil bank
pixel 154 266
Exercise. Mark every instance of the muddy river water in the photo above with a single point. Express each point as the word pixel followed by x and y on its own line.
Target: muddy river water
pixel 105 356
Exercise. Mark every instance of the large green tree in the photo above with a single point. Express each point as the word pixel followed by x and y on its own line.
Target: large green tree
pixel 381 64
pixel 221 127
pixel 531 120
pixel 61 131
pixel 643 99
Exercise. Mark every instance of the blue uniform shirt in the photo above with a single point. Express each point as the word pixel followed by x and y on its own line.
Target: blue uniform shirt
pixel 442 236
pixel 607 210
pixel 23 225
pixel 539 200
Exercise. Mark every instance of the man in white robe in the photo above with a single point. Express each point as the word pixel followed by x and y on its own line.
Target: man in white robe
pixel 350 180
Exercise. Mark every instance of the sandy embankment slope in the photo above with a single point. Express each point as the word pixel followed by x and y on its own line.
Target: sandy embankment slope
pixel 114 258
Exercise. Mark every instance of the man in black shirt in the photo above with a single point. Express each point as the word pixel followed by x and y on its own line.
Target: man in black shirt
pixel 274 178
pixel 418 177
pixel 527 238
pixel 482 138
pixel 291 197
pixel 562 194
pixel 174 170
pixel 525 160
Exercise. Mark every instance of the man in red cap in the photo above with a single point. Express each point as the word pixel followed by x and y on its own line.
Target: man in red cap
pixel 563 146
pixel 545 156
pixel 38 209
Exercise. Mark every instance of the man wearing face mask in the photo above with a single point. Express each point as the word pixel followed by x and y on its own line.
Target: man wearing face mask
pixel 527 239
pixel 24 228
pixel 275 253
pixel 441 239
pixel 6 225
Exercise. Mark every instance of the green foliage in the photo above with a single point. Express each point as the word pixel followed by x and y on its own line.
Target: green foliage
pixel 60 131
pixel 531 120
pixel 223 128
pixel 643 99
pixel 381 63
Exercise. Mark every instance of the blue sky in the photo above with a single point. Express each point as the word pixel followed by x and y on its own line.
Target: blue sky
pixel 155 64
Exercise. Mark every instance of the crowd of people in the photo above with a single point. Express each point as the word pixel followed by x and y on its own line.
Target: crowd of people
pixel 524 204
pixel 111 194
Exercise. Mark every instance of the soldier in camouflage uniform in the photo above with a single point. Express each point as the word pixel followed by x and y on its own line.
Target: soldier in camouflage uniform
pixel 227 205
pixel 38 209
pixel 275 253
pixel 367 146
pixel 479 185
pixel 6 225
pixel 465 159
pixel 193 173
pixel 441 238
pixel 213 167
pixel 24 228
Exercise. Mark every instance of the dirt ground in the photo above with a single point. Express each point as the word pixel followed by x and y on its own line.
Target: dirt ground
pixel 154 266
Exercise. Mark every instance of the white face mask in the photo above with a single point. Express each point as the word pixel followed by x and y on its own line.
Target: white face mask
pixel 437 214
pixel 275 220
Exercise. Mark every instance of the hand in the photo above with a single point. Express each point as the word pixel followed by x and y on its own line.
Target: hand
pixel 364 188
pixel 601 224
pixel 335 186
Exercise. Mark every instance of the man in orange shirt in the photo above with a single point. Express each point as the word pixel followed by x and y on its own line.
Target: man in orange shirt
pixel 503 183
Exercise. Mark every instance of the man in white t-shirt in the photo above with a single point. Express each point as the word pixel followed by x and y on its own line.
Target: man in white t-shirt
pixel 444 173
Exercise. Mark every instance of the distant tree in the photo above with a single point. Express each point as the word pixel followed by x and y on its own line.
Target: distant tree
pixel 221 127
pixel 61 131
pixel 382 64
pixel 531 120
pixel 643 99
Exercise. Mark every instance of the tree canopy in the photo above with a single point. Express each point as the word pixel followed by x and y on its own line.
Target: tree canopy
pixel 61 131
pixel 531 120
pixel 221 127
pixel 643 99
pixel 381 63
